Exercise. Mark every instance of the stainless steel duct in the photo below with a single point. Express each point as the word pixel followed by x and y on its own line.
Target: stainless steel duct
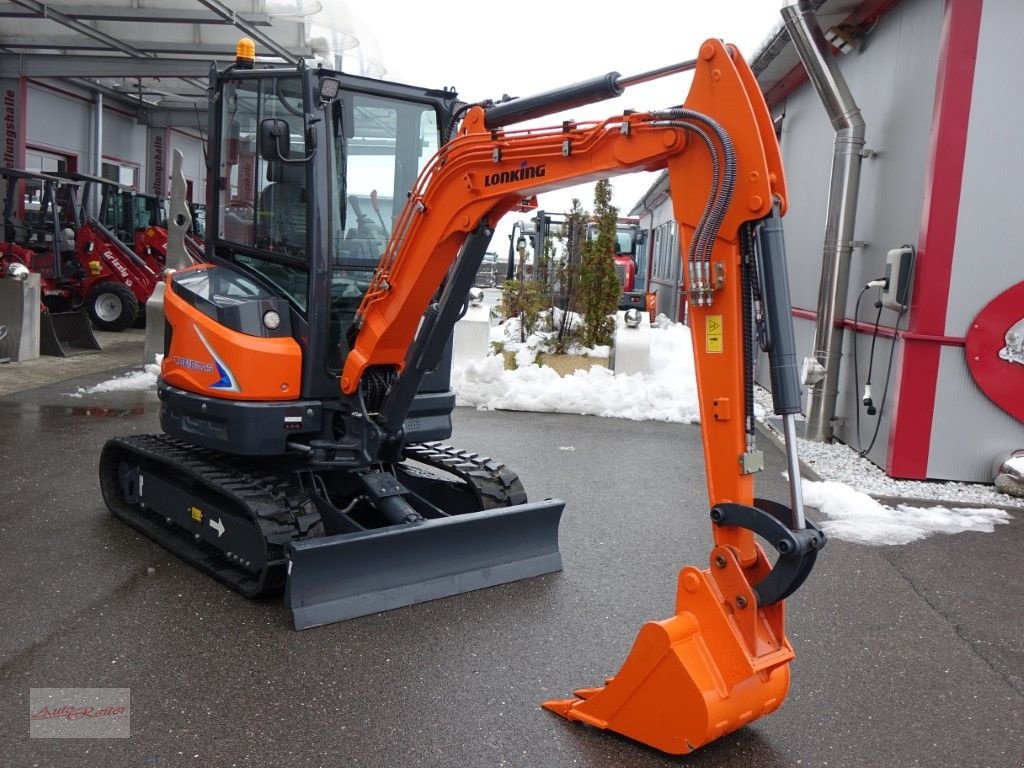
pixel 94 202
pixel 822 372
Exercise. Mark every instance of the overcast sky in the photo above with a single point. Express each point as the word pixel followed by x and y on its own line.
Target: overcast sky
pixel 485 51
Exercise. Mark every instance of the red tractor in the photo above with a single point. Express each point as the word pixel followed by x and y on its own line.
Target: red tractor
pixel 81 263
pixel 139 221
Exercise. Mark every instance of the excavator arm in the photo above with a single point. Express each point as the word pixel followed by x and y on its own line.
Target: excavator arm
pixel 725 171
pixel 722 660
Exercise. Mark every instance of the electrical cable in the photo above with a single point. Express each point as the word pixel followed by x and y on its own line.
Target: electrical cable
pixel 882 284
pixel 856 381
pixel 871 358
pixel 866 397
pixel 885 389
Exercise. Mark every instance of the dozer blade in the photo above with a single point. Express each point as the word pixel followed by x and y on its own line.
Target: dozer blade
pixel 710 669
pixel 66 334
pixel 354 574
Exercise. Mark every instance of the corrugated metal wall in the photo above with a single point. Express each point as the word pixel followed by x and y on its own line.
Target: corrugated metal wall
pixel 63 123
pixel 893 81
pixel 969 432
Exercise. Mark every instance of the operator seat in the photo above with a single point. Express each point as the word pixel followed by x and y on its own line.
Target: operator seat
pixel 364 242
pixel 282 212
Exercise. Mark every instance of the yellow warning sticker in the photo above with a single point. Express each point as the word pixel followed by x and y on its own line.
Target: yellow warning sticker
pixel 713 334
pixel 197 514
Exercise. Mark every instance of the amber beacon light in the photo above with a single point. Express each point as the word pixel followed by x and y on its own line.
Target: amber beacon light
pixel 245 53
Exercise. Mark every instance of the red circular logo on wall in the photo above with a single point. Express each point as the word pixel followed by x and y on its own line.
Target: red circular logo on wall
pixel 995 350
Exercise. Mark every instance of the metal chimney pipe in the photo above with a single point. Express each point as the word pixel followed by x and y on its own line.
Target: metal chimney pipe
pixel 828 81
pixel 94 203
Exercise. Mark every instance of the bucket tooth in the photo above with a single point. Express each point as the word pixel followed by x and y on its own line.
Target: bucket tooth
pixel 688 679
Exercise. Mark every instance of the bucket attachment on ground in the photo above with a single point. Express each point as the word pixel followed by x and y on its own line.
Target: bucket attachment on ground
pixel 355 574
pixel 723 660
pixel 694 677
pixel 66 334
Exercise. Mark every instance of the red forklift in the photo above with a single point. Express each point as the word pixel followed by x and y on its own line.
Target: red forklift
pixel 138 220
pixel 116 281
pixel 35 240
pixel 89 267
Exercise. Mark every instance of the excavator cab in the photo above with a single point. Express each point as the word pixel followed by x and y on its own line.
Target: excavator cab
pixel 303 205
pixel 304 167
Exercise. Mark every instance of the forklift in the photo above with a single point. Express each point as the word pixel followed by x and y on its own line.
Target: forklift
pixel 34 240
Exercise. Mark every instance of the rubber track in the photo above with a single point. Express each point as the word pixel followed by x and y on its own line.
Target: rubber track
pixel 275 504
pixel 494 484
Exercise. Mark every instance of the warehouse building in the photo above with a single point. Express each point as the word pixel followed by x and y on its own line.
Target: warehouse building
pixel 921 124
pixel 113 91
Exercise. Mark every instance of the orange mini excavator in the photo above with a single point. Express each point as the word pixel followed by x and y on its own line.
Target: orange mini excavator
pixel 305 386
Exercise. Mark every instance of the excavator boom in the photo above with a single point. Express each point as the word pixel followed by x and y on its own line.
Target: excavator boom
pixel 716 187
pixel 722 660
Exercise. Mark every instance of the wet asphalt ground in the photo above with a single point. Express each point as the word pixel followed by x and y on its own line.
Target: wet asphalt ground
pixel 907 656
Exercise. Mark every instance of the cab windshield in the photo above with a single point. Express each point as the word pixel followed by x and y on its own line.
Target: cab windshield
pixel 262 203
pixel 376 147
pixel 380 146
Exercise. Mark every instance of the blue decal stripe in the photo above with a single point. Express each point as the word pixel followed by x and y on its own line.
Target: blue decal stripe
pixel 227 381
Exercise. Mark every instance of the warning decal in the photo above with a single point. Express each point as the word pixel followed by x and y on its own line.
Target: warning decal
pixel 713 334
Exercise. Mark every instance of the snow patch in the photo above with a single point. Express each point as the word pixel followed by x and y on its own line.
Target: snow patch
pixel 856 517
pixel 669 393
pixel 1015 464
pixel 131 381
pixel 842 463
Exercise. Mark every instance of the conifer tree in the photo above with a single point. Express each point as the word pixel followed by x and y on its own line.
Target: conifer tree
pixel 600 287
pixel 573 234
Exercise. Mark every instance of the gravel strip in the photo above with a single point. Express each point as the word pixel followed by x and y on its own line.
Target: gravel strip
pixel 838 461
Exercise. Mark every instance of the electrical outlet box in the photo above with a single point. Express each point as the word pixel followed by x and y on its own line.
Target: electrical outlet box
pixel 898 267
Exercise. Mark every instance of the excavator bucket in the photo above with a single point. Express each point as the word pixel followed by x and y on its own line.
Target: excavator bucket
pixel 355 574
pixel 66 334
pixel 718 664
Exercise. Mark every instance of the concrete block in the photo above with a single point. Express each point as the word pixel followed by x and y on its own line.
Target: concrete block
pixel 473 334
pixel 19 311
pixel 155 325
pixel 631 352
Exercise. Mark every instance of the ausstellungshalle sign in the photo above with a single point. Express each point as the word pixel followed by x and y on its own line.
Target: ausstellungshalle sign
pixel 12 153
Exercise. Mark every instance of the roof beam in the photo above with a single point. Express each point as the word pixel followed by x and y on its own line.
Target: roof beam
pixel 121 97
pixel 41 65
pixel 256 34
pixel 45 12
pixel 162 117
pixel 146 15
pixel 222 51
